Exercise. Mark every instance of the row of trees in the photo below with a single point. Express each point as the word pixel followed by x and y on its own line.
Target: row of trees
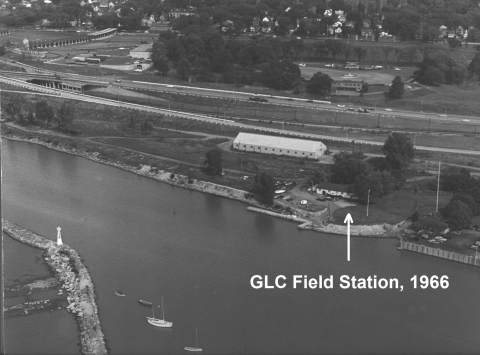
pixel 41 113
pixel 379 176
pixel 205 54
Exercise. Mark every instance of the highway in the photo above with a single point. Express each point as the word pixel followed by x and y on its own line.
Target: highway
pixel 284 101
pixel 204 118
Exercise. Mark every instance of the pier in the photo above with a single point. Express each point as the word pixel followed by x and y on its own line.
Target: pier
pixel 69 269
pixel 439 253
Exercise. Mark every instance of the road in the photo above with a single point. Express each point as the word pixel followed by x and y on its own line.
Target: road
pixel 192 116
pixel 245 96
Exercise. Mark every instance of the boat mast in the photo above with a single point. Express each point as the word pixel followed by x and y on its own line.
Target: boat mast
pixel 163 311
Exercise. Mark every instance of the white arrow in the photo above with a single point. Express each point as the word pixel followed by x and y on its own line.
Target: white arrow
pixel 348 220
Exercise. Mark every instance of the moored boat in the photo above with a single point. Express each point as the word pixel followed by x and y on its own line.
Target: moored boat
pixel 146 303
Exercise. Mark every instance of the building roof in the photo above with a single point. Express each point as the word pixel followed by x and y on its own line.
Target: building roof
pixel 332 187
pixel 348 81
pixel 278 142
pixel 143 48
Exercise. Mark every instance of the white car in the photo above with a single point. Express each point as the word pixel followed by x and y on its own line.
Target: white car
pixel 378 67
pixel 340 105
pixel 442 115
pixel 466 120
pixel 279 191
pixel 397 69
pixel 169 86
pixel 329 65
pixel 302 65
pixel 138 70
pixel 388 109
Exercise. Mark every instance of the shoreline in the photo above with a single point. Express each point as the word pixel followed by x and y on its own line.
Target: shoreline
pixel 379 231
pixel 69 269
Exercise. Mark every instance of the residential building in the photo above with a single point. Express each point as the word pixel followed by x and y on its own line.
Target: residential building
pixel 264 144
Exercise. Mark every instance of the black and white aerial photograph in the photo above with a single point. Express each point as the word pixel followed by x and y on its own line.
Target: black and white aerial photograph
pixel 240 177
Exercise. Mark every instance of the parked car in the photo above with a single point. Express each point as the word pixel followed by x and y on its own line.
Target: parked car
pixel 302 65
pixel 340 105
pixel 397 69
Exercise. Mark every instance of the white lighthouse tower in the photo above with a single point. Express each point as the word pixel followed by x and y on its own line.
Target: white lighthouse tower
pixel 59 236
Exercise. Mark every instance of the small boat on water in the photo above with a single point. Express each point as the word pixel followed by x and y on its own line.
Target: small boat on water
pixel 159 322
pixel 146 303
pixel 196 348
pixel 119 292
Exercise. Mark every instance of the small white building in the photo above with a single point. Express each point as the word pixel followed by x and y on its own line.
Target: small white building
pixel 329 189
pixel 143 51
pixel 294 147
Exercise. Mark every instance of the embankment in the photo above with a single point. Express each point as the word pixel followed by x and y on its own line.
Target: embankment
pixel 68 268
pixel 383 230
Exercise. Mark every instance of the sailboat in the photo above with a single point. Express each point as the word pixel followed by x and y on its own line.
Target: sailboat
pixel 120 291
pixel 196 348
pixel 159 322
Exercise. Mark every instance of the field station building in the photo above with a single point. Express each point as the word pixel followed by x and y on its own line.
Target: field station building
pixel 279 145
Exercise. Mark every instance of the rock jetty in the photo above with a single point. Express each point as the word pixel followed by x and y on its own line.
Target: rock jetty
pixel 76 281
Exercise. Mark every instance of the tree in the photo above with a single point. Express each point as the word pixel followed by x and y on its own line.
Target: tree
pixel 474 66
pixel 347 167
pixel 335 47
pixel 184 69
pixel 370 181
pixel 397 89
pixel 386 52
pixel 264 187
pixel 469 201
pixel 319 84
pixel 398 149
pixel 457 214
pixel 213 162
pixel 360 52
pixel 65 116
pixel 44 112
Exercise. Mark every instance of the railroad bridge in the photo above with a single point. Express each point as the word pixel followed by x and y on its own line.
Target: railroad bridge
pixel 94 36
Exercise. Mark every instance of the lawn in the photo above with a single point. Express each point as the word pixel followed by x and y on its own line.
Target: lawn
pixel 391 209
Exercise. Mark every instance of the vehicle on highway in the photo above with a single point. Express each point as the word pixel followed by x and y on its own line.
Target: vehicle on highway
pixel 302 65
pixel 350 109
pixel 289 99
pixel 330 65
pixel 442 115
pixel 169 86
pixel 397 69
pixel 310 101
pixel 466 120
pixel 388 109
pixel 258 99
pixel 363 110
pixel 340 105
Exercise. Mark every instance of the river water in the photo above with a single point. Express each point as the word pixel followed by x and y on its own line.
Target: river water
pixel 201 258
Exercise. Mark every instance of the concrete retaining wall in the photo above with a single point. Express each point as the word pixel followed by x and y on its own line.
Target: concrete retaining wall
pixel 439 253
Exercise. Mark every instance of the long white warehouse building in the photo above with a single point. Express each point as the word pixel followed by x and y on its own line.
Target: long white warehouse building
pixel 300 148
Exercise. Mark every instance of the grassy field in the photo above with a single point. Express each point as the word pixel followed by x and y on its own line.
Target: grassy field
pixel 391 209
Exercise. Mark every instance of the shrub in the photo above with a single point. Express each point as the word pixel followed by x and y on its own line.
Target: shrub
pixel 55 142
pixel 415 216
pixel 172 176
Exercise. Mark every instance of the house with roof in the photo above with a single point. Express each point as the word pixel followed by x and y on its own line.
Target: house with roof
pixel 329 189
pixel 294 147
pixel 346 87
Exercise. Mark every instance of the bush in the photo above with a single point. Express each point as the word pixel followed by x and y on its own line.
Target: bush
pixel 415 216
pixel 172 176
pixel 55 142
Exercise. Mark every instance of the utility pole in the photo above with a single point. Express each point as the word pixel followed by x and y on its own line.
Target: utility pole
pixel 378 121
pixel 368 200
pixel 438 185
pixel 429 121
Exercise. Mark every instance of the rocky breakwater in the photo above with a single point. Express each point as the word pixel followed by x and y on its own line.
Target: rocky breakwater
pixel 76 281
